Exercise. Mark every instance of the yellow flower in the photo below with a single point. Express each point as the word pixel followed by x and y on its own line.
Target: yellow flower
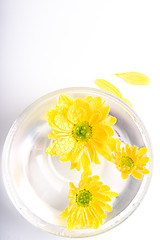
pixel 88 204
pixel 81 128
pixel 134 78
pixel 130 160
pixel 108 87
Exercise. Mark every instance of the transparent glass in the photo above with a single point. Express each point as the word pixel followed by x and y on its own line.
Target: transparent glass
pixel 38 183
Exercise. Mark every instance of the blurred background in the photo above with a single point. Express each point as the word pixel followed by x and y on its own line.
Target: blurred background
pixel 47 45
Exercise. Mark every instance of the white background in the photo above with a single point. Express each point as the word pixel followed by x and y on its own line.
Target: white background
pixel 52 44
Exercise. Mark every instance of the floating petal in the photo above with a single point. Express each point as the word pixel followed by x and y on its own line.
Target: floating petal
pixel 134 78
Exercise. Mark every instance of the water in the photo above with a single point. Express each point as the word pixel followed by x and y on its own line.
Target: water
pixel 38 183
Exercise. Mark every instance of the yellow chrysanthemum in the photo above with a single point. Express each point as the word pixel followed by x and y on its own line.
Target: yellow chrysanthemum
pixel 88 204
pixel 81 128
pixel 130 160
pixel 108 87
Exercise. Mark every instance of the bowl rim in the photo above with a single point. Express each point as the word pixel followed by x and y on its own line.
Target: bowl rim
pixel 17 123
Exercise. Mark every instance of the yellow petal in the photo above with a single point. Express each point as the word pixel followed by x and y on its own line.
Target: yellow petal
pixel 61 147
pixel 143 160
pixel 75 154
pixel 106 153
pixel 103 197
pixel 65 99
pixel 84 176
pixel 134 150
pixel 92 152
pixel 137 175
pixel 124 175
pixel 72 190
pixel 95 118
pixel 76 165
pixel 105 188
pixel 67 211
pixel 88 99
pixel 108 208
pixel 108 87
pixel 134 78
pixel 109 121
pixel 98 210
pixel 62 122
pixel 79 111
pixel 104 113
pixel 50 115
pixel 86 164
pixel 96 103
pixel 145 171
pixel 112 194
pixel 89 218
pixel 109 129
pixel 142 151
pixel 57 134
pixel 82 218
pixel 100 134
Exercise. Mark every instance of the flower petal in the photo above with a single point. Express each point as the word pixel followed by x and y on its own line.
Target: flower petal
pixel 105 151
pixel 142 151
pixel 108 208
pixel 109 129
pixel 143 160
pixel 134 78
pixel 86 164
pixel 124 175
pixel 109 121
pixel 61 147
pixel 105 188
pixel 50 115
pixel 145 171
pixel 57 134
pixel 100 134
pixel 75 154
pixel 79 111
pixel 99 210
pixel 89 218
pixel 62 122
pixel 92 152
pixel 134 150
pixel 112 194
pixel 95 118
pixel 65 99
pixel 137 175
pixel 72 190
pixel 96 103
pixel 108 87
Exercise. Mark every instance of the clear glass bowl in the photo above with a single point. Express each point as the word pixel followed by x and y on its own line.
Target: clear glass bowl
pixel 38 183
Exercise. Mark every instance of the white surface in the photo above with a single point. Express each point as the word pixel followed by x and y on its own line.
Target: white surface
pixel 48 45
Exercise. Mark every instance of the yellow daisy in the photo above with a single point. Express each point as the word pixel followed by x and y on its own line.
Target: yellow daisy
pixel 81 129
pixel 88 204
pixel 130 160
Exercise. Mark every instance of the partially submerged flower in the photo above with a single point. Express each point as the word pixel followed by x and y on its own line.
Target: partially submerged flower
pixel 88 204
pixel 134 78
pixel 81 129
pixel 108 87
pixel 130 160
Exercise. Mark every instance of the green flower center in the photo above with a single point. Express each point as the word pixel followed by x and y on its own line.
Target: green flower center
pixel 83 198
pixel 126 161
pixel 82 131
